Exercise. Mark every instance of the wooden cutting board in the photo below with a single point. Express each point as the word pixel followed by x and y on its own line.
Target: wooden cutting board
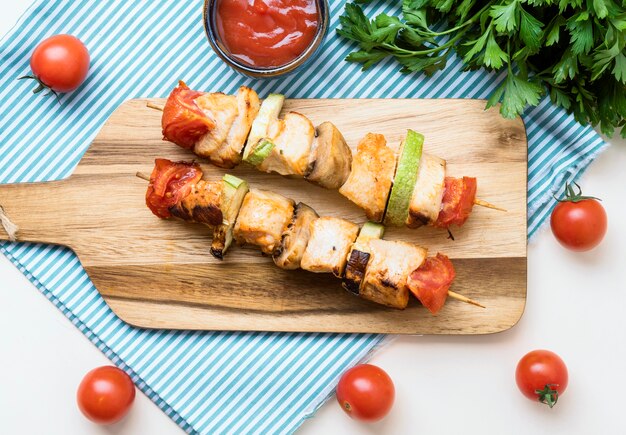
pixel 159 274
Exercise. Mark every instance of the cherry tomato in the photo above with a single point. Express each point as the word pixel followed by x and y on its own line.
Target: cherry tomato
pixel 542 375
pixel 170 182
pixel 366 392
pixel 578 222
pixel 59 63
pixel 105 395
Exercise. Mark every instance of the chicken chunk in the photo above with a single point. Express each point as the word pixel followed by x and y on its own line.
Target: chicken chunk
pixel 263 218
pixel 229 154
pixel 331 158
pixel 428 192
pixel 202 205
pixel 370 179
pixel 292 138
pixel 329 244
pixel 295 238
pixel 222 110
pixel 388 269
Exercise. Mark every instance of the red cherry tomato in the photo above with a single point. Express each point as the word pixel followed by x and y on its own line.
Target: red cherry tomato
pixel 60 63
pixel 366 392
pixel 105 395
pixel 542 375
pixel 578 222
pixel 170 182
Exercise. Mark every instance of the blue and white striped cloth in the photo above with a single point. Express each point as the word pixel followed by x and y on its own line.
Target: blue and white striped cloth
pixel 213 382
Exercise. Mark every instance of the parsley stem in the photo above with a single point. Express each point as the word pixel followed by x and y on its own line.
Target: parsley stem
pixel 410 53
pixel 401 52
pixel 471 20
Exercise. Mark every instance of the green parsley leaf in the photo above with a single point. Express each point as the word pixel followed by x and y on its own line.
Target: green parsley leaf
pixel 560 98
pixel 600 8
pixel 619 68
pixel 516 93
pixel 566 68
pixel 506 17
pixel 367 58
pixel 494 56
pixel 414 16
pixel 603 59
pixel 476 46
pixel 581 35
pixel 553 31
pixel 530 30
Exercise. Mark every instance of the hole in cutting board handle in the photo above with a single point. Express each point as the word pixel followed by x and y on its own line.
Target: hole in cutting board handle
pixel 9 227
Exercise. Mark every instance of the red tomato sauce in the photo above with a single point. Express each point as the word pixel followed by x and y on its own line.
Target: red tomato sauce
pixel 266 33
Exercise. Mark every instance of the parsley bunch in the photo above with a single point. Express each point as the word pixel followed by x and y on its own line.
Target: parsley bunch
pixel 572 49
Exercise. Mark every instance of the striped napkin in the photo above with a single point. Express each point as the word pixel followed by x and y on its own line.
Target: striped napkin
pixel 213 382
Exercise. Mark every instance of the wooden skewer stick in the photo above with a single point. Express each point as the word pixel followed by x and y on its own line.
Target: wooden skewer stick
pixel 154 106
pixel 482 203
pixel 462 298
pixel 142 176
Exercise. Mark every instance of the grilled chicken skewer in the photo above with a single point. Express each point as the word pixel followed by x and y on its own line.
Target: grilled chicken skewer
pixel 295 236
pixel 406 188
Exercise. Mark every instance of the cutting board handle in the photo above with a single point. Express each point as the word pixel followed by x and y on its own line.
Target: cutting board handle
pixel 35 208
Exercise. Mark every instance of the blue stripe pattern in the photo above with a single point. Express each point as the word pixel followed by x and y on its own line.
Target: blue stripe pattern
pixel 214 382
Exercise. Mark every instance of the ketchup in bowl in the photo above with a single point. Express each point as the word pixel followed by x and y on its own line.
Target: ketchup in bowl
pixel 266 33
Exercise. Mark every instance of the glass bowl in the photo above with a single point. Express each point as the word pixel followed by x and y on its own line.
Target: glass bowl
pixel 210 28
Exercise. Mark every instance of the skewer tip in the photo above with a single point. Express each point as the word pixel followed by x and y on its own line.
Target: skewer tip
pixel 465 299
pixel 154 106
pixel 486 204
pixel 142 176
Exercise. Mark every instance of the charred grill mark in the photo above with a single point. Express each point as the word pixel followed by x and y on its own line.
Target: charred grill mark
pixel 387 283
pixel 417 219
pixel 279 250
pixel 309 169
pixel 355 271
pixel 352 286
pixel 178 211
pixel 296 212
pixel 210 215
pixel 217 253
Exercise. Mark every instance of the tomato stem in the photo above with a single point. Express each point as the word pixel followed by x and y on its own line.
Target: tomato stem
pixel 450 235
pixel 548 395
pixel 572 196
pixel 41 86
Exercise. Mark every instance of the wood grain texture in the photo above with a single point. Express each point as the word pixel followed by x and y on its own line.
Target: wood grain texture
pixel 159 274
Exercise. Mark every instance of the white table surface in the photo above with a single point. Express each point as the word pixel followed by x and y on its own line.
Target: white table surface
pixel 445 385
